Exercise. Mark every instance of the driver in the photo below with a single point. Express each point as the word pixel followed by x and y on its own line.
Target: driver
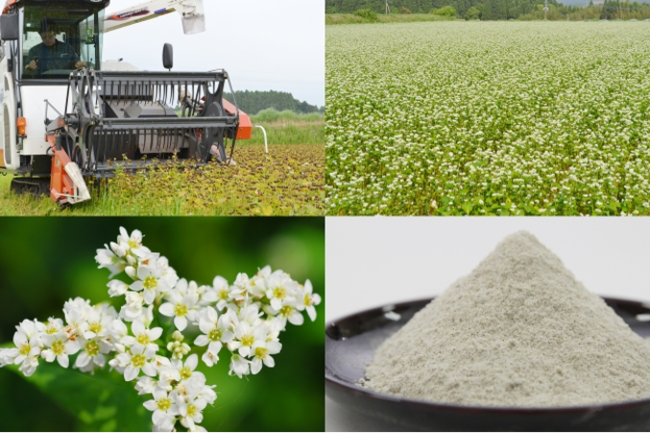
pixel 51 54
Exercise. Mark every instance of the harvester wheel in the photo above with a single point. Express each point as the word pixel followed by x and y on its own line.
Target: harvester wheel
pixel 34 186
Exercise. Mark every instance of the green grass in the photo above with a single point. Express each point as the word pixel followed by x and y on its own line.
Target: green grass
pixel 288 128
pixel 288 181
pixel 390 18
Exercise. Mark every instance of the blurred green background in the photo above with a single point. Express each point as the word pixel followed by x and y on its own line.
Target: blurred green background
pixel 46 261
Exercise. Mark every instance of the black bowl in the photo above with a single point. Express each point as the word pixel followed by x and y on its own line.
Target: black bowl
pixel 350 344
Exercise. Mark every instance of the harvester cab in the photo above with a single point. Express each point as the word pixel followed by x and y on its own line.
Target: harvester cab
pixel 66 116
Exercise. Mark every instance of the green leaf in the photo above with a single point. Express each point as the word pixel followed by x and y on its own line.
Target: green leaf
pixel 101 402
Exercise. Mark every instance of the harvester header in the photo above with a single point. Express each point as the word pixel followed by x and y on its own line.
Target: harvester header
pixel 68 117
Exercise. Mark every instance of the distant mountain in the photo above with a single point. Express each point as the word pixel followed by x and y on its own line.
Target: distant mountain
pixel 583 3
pixel 252 102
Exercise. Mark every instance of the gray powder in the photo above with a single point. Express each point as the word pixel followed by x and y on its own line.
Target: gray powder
pixel 518 331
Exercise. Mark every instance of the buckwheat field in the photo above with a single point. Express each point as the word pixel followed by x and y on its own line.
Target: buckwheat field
pixel 488 118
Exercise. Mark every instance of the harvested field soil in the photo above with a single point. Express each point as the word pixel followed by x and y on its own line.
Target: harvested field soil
pixel 288 181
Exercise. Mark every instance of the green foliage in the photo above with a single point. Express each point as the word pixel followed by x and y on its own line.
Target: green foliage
pixel 495 9
pixel 367 14
pixel 331 19
pixel 252 102
pixel 446 11
pixel 101 402
pixel 273 115
pixel 473 13
pixel 404 10
pixel 486 120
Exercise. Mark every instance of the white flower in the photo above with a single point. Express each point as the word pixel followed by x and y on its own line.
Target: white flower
pixel 132 242
pixel 24 348
pixel 132 310
pixel 29 365
pixel 186 370
pixel 179 307
pixel 239 365
pixel 309 300
pixel 151 281
pixel 164 410
pixel 169 274
pixel 262 354
pixel 220 286
pixel 281 289
pixel 109 259
pixel 146 385
pixel 59 348
pixel 240 287
pixel 137 359
pixel 217 331
pixel 53 325
pixel 143 336
pixel 292 314
pixel 190 412
pixel 117 288
pixel 92 354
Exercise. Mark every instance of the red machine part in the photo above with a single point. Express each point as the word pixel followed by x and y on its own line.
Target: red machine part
pixel 245 126
pixel 60 182
pixel 8 5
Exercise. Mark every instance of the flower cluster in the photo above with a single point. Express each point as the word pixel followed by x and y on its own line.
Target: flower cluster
pixel 244 319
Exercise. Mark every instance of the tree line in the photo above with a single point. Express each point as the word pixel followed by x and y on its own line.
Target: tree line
pixel 253 101
pixel 497 9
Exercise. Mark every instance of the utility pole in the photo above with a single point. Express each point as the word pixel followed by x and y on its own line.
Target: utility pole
pixel 545 8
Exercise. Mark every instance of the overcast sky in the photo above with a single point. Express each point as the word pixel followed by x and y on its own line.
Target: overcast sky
pixel 263 44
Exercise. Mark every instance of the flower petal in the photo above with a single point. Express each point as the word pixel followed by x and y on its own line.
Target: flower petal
pixel 167 309
pixel 192 361
pixel 201 341
pixel 180 322
pixel 131 372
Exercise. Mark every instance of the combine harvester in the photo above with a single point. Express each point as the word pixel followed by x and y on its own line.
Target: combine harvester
pixel 66 116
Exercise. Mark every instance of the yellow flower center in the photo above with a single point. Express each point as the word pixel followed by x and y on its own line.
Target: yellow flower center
pixel 92 348
pixel 150 282
pixel 279 293
pixel 191 410
pixel 138 360
pixel 25 350
pixel 223 294
pixel 95 327
pixel 214 335
pixel 247 341
pixel 180 310
pixel 286 311
pixel 261 353
pixel 164 404
pixel 186 373
pixel 133 244
pixel 58 348
pixel 307 300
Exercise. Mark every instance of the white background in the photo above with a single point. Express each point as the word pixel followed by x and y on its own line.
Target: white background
pixel 372 261
pixel 264 45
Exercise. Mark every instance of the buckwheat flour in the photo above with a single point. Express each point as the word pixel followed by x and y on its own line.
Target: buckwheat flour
pixel 518 331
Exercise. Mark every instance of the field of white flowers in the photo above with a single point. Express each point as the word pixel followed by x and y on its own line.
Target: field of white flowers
pixel 488 118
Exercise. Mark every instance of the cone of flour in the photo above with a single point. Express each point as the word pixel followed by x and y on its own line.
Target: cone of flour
pixel 521 331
